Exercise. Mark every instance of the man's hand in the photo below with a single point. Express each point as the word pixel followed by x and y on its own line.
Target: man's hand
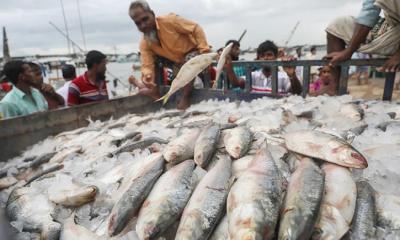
pixel 149 81
pixel 47 88
pixel 291 70
pixel 391 65
pixel 336 57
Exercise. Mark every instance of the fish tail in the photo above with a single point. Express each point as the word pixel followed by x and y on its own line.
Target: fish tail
pixel 163 98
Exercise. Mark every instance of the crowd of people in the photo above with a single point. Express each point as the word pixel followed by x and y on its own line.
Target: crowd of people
pixel 172 40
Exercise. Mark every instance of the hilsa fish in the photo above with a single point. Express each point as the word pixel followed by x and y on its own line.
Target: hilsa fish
pixel 188 72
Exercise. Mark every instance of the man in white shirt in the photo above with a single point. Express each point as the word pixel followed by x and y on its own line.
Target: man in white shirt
pixel 288 82
pixel 69 74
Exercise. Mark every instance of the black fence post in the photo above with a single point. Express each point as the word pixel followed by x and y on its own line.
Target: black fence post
pixel 344 77
pixel 306 80
pixel 274 72
pixel 389 85
pixel 249 81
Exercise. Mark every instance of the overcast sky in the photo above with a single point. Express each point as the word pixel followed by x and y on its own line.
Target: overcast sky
pixel 107 25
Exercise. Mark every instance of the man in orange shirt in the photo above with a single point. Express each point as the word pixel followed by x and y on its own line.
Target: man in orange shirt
pixel 172 37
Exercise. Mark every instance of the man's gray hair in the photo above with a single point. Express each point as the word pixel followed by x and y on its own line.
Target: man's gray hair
pixel 142 4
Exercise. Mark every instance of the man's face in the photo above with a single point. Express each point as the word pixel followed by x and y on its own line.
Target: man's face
pixel 267 56
pixel 235 52
pixel 101 69
pixel 37 76
pixel 27 75
pixel 145 21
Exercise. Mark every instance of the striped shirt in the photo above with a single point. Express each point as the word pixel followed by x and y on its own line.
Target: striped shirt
pixel 262 84
pixel 82 91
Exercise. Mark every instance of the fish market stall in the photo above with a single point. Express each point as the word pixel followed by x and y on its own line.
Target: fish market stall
pixel 263 168
pixel 232 166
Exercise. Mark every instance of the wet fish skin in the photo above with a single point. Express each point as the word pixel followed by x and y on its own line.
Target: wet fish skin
pixel 302 202
pixel 71 230
pixel 225 126
pixel 207 204
pixel 37 161
pixel 254 200
pixel 146 142
pixel 326 147
pixel 388 210
pixel 352 111
pixel 222 60
pixel 206 145
pixel 364 220
pixel 194 113
pixel 43 172
pixel 130 202
pixel 188 72
pixel 384 125
pixel 170 114
pixel 240 165
pixel 135 136
pixel 7 182
pixel 77 197
pixel 166 201
pixel 338 203
pixel 19 208
pixel 221 231
pixel 238 141
pixel 115 125
pixel 182 147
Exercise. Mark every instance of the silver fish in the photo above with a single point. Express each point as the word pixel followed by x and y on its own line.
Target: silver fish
pixel 206 145
pixel 388 210
pixel 71 230
pixel 365 216
pixel 352 111
pixel 166 201
pixel 7 182
pixel 142 144
pixel 338 203
pixel 130 202
pixel 22 206
pixel 221 61
pixel 188 72
pixel 326 147
pixel 241 165
pixel 135 136
pixel 302 202
pixel 182 147
pixel 238 141
pixel 207 204
pixel 221 231
pixel 254 200
pixel 75 197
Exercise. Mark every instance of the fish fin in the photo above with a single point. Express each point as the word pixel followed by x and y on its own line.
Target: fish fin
pixel 164 99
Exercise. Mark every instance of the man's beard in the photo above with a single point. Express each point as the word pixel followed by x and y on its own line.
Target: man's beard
pixel 100 77
pixel 235 58
pixel 152 36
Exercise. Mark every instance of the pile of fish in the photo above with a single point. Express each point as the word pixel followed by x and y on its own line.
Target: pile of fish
pixel 291 168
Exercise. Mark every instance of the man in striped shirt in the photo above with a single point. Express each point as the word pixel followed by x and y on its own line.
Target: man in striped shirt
pixel 91 86
pixel 288 82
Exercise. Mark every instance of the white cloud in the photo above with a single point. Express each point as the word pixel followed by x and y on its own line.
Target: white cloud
pixel 107 24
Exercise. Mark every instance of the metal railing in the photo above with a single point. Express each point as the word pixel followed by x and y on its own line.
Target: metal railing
pixel 249 66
